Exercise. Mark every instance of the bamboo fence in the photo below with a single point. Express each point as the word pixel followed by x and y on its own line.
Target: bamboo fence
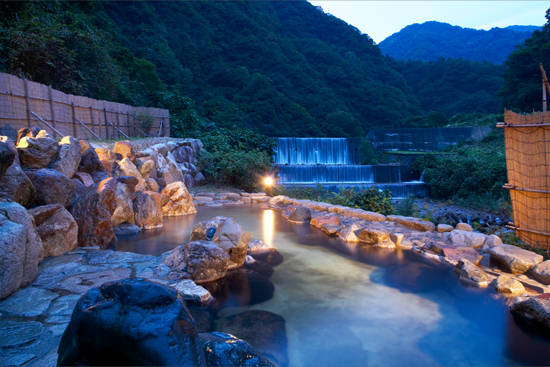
pixel 25 104
pixel 527 139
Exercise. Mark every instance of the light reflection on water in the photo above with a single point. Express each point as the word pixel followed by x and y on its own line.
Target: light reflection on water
pixel 351 305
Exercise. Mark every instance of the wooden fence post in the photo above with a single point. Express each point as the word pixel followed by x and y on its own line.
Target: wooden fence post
pixel 117 124
pixel 28 102
pixel 74 121
pixel 106 127
pixel 52 110
pixel 92 119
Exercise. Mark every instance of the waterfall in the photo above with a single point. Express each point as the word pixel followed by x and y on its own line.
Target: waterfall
pixel 326 151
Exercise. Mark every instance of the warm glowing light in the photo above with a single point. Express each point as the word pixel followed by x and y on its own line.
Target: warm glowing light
pixel 269 223
pixel 268 181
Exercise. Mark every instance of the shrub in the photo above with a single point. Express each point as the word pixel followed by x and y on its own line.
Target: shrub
pixel 406 207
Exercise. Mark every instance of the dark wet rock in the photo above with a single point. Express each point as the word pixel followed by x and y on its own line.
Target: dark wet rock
pixel 14 334
pixel 129 181
pixel 203 319
pixel 535 310
pixel 265 253
pixel 241 287
pixel 79 187
pixel 131 322
pixel 222 349
pixel 57 229
pixel 189 180
pixel 125 149
pixel 52 187
pixel 91 164
pixel 471 274
pixel 37 152
pixel 200 180
pixel 514 259
pixel 301 214
pixel 265 331
pixel 202 261
pixel 184 154
pixel 147 214
pixel 206 229
pixel 30 301
pixel 258 266
pixel 92 212
pixel 161 182
pixel 233 239
pixel 68 156
pixel 126 229
pixel 7 157
pixel 17 186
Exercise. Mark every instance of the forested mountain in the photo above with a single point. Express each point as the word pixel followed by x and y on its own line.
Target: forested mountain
pixel 524 28
pixel 281 68
pixel 522 80
pixel 431 40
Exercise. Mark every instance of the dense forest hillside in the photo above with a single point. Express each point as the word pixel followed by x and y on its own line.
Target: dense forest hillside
pixel 281 68
pixel 431 40
pixel 524 28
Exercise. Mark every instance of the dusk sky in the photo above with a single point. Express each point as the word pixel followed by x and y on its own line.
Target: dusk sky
pixel 380 19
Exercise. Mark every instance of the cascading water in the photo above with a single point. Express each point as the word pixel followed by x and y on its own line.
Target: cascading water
pixel 333 162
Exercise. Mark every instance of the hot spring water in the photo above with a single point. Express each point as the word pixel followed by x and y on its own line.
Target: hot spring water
pixel 349 305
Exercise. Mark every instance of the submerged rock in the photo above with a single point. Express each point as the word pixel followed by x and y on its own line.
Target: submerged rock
pixel 221 349
pixel 266 332
pixel 131 322
pixel 534 310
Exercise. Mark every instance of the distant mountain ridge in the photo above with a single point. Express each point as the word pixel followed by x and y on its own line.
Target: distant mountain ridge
pixel 524 28
pixel 432 40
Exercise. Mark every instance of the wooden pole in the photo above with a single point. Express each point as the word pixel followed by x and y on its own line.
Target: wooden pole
pixel 161 123
pixel 545 86
pixel 86 127
pixel 92 121
pixel 28 102
pixel 117 123
pixel 74 120
pixel 52 110
pixel 106 127
pixel 44 121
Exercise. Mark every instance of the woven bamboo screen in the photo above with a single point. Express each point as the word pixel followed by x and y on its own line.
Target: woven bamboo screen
pixel 25 104
pixel 527 139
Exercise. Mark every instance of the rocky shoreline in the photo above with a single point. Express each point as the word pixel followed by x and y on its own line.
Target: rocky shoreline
pixel 62 206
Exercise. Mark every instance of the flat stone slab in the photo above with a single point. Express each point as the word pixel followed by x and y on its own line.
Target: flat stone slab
pixel 456 253
pixel 514 259
pixel 192 292
pixel 82 282
pixel 112 257
pixel 28 301
pixel 411 222
pixel 15 334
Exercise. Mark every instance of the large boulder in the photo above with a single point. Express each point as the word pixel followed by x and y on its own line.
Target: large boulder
pixel 456 253
pixel 508 285
pixel 200 180
pixel 321 221
pixel 92 212
pixel 127 168
pixel 124 211
pixel 152 185
pixel 348 233
pixel 411 222
pixel 17 186
pixel 222 350
pixel 131 322
pixel 21 248
pixel 514 259
pixel 535 310
pixel 91 164
pixel 541 272
pixel 206 229
pixel 38 152
pixel 146 168
pixel 129 181
pixel 147 214
pixel 471 274
pixel 301 214
pixel 52 187
pixel 232 238
pixel 201 261
pixel 68 156
pixel 27 132
pixel 125 149
pixel 180 203
pixel 189 180
pixel 108 159
pixel 468 238
pixel 57 229
pixel 265 331
pixel 264 252
pixel 184 154
pixel 7 156
pixel 372 236
pixel 173 167
pixel 196 144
